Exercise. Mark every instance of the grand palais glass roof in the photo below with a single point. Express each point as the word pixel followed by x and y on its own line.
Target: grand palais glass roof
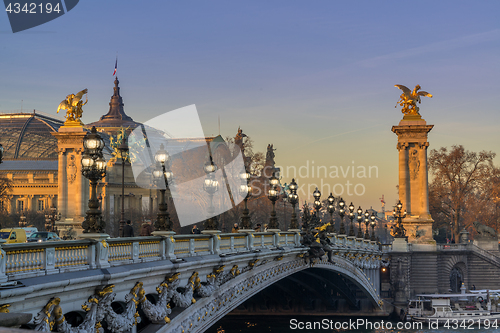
pixel 28 135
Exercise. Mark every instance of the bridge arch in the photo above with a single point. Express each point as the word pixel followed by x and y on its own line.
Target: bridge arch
pixel 206 311
pixel 454 272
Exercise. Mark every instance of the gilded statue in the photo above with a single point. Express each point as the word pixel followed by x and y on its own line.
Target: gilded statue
pixel 73 105
pixel 410 98
pixel 115 143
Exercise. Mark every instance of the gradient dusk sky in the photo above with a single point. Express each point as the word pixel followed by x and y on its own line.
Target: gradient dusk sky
pixel 314 78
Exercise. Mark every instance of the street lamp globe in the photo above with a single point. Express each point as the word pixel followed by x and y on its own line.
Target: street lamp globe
pixel 373 222
pixel 162 155
pixel 316 194
pixel 93 143
pixel 331 199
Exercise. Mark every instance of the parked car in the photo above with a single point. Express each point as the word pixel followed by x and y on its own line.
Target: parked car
pixel 43 236
pixel 13 235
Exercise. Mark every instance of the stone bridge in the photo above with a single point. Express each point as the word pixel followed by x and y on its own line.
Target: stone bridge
pixel 181 283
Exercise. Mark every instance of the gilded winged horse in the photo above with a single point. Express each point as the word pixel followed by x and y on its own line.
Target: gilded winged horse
pixel 410 98
pixel 73 105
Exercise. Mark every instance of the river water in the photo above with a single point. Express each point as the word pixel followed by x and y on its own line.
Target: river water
pixel 316 324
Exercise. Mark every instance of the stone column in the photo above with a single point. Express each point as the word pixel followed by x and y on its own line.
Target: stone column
pixel 403 176
pixel 412 135
pixel 424 211
pixel 62 193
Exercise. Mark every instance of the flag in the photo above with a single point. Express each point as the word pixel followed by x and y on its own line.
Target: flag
pixel 116 63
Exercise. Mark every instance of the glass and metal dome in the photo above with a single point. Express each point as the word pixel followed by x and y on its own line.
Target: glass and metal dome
pixel 27 136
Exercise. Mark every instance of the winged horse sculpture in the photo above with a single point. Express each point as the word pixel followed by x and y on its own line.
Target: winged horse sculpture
pixel 73 105
pixel 410 98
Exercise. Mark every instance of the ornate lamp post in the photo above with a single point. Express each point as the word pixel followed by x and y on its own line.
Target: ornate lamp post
pixel 211 185
pixel 342 213
pixel 161 176
pixel 367 222
pixel 373 222
pixel 331 210
pixel 293 198
pixel 317 202
pixel 360 219
pixel 246 192
pixel 22 220
pixel 273 196
pixel 51 218
pixel 351 217
pixel 94 169
pixel 399 231
pixel 123 148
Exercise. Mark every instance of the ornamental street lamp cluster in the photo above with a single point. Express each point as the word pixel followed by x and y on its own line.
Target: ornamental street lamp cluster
pixel 369 219
pixel 22 220
pixel 273 196
pixel 123 148
pixel 162 176
pixel 342 213
pixel 94 169
pixel 399 231
pixel 293 198
pixel 360 219
pixel 211 186
pixel 317 201
pixel 245 191
pixel 351 217
pixel 331 210
pixel 50 220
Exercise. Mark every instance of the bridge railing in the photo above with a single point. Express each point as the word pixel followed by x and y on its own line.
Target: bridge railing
pixel 18 261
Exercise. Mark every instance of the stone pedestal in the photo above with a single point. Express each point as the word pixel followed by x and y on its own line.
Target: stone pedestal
pixel 412 145
pixel 73 188
pixel 400 245
pixel 246 231
pixel 163 233
pixel 101 249
pixel 488 244
pixel 211 232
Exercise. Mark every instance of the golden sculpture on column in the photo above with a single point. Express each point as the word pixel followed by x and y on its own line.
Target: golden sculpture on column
pixel 73 105
pixel 409 101
pixel 412 133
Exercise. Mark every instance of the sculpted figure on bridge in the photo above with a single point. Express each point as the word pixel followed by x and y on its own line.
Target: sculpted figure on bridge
pixel 184 298
pixel 410 98
pixel 484 230
pixel 98 308
pixel 73 105
pixel 158 313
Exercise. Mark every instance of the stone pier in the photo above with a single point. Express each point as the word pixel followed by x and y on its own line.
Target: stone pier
pixel 412 145
pixel 73 188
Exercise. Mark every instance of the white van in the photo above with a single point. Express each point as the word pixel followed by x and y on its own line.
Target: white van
pixel 30 230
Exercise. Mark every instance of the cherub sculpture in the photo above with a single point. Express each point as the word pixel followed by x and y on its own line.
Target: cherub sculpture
pixel 410 98
pixel 73 105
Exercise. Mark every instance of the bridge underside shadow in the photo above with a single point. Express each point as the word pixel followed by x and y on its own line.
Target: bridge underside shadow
pixel 312 291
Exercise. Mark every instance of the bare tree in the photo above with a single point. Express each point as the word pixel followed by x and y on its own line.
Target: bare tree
pixel 461 188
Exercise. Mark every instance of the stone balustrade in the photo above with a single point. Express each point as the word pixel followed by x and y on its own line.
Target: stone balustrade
pixel 26 260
